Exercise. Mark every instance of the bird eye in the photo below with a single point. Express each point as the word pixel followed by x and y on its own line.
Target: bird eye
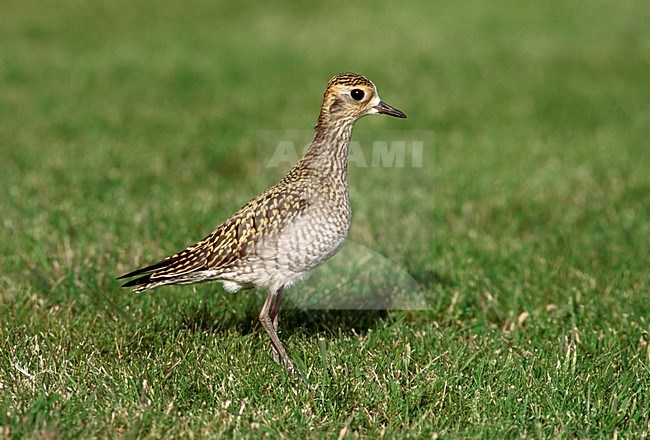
pixel 357 94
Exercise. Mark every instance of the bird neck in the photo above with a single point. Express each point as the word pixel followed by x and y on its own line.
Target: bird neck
pixel 329 149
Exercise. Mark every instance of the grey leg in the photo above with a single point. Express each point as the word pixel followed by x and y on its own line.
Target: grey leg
pixel 275 309
pixel 274 314
pixel 268 318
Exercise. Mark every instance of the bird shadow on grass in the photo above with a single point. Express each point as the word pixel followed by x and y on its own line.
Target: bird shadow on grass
pixel 331 322
pixel 204 317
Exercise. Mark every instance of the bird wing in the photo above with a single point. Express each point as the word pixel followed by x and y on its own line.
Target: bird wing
pixel 231 241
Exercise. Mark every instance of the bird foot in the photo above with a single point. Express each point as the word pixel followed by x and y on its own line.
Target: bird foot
pixel 286 363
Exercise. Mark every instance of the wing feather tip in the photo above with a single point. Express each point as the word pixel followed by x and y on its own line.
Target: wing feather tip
pixel 137 281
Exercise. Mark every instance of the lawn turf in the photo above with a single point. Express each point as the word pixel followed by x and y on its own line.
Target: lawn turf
pixel 130 129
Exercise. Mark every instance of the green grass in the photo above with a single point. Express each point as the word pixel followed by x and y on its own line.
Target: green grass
pixel 130 129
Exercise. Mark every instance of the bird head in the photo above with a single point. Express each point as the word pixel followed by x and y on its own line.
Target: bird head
pixel 349 96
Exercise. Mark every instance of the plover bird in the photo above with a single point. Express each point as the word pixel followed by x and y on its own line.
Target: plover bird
pixel 291 228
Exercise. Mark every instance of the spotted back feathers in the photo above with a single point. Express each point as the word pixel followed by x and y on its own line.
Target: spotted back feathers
pixel 233 240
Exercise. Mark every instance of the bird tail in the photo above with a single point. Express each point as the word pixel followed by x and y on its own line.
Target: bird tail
pixel 140 283
pixel 176 269
pixel 143 282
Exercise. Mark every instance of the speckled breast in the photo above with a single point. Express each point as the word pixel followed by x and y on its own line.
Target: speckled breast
pixel 306 242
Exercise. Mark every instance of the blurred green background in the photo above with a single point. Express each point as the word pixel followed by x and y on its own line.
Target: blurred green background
pixel 130 129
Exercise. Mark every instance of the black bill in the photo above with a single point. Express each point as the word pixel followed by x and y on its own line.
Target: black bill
pixel 385 109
